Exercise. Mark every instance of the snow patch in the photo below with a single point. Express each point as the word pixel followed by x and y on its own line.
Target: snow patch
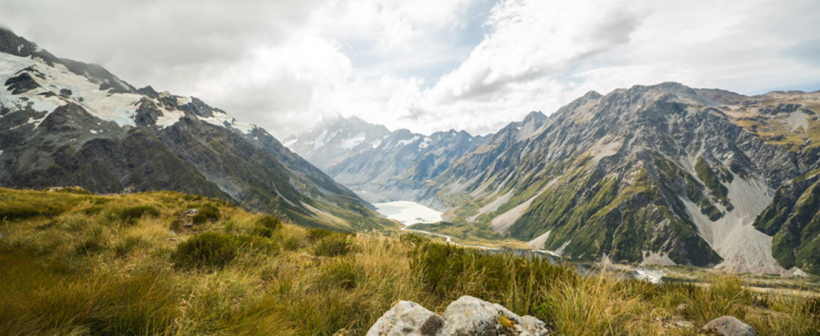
pixel 408 141
pixel 319 141
pixel 243 127
pixel 290 142
pixel 222 119
pixel 218 119
pixel 375 144
pixel 350 143
pixel 425 143
pixel 117 107
pixel 183 100
pixel 169 118
pixel 93 131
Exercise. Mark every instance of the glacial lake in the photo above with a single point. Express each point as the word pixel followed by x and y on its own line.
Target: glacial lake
pixel 408 213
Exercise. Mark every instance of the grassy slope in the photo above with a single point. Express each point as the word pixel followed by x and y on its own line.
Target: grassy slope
pixel 85 264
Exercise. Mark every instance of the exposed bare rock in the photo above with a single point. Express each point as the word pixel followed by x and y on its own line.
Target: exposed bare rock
pixel 465 316
pixel 729 326
pixel 407 318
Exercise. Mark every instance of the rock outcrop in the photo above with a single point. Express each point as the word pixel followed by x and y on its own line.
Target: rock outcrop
pixel 465 316
pixel 407 318
pixel 729 326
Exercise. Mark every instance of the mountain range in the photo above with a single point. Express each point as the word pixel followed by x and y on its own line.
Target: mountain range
pixel 64 122
pixel 661 174
pixel 381 165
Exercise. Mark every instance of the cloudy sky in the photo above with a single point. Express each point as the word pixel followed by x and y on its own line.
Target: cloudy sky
pixel 426 65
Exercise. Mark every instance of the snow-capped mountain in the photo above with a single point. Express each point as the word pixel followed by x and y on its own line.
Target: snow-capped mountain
pixel 335 139
pixel 654 174
pixel 68 123
pixel 381 165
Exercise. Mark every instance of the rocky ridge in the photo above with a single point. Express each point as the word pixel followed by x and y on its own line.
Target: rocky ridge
pixel 662 173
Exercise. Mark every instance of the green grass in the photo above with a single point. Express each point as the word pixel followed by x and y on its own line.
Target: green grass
pixel 711 181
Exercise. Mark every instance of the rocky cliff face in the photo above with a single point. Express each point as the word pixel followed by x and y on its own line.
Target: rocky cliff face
pixel 650 174
pixel 68 123
pixel 793 219
pixel 381 165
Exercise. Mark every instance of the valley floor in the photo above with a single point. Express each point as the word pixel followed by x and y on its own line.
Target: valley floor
pixel 173 264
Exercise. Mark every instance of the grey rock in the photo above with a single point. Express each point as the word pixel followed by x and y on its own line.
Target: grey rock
pixel 21 83
pixel 406 318
pixel 685 324
pixel 729 326
pixel 682 308
pixel 472 316
pixel 465 316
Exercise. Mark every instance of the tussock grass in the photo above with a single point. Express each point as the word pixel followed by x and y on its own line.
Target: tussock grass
pixel 91 267
pixel 597 306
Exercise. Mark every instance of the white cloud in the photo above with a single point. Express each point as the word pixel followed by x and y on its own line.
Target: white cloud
pixel 427 65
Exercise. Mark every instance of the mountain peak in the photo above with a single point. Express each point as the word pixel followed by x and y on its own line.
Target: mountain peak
pixel 534 116
pixel 592 94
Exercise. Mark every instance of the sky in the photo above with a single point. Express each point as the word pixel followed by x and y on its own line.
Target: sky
pixel 426 65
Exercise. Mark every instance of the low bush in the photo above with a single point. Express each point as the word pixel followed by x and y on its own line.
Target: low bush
pixel 291 243
pixel 207 250
pixel 269 222
pixel 131 214
pixel 316 234
pixel 266 225
pixel 206 213
pixel 256 244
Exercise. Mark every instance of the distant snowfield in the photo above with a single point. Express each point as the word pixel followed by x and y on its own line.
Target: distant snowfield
pixel 408 213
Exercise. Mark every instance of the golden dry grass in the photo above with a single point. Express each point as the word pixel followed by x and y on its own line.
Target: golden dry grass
pixel 86 269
